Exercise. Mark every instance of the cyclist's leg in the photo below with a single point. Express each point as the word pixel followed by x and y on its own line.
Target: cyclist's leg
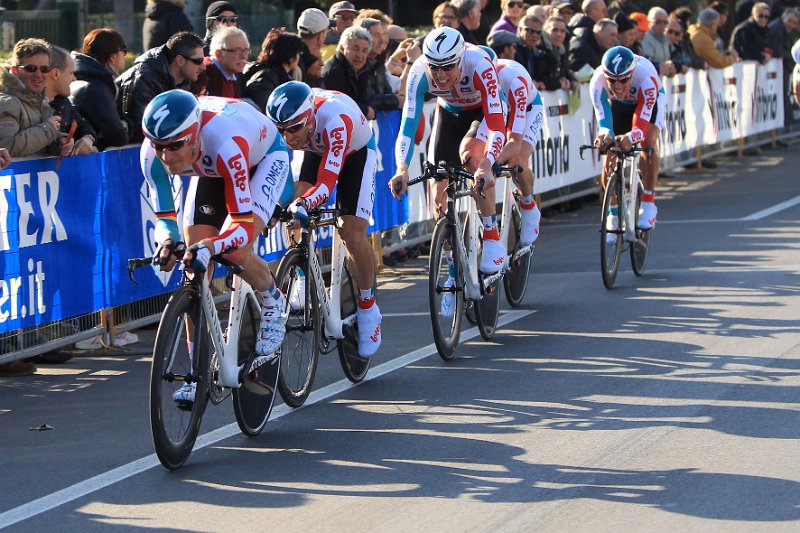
pixel 650 166
pixel 531 215
pixel 356 189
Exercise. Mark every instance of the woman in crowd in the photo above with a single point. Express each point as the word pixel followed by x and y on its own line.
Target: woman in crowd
pixel 94 93
pixel 277 63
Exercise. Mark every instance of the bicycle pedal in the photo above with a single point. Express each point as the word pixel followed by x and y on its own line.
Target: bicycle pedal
pixel 184 405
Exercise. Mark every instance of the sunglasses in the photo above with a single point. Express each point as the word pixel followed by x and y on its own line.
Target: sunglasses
pixel 614 81
pixel 237 51
pixel 763 17
pixel 515 4
pixel 294 128
pixel 170 147
pixel 196 60
pixel 446 68
pixel 228 19
pixel 533 31
pixel 44 69
pixel 674 32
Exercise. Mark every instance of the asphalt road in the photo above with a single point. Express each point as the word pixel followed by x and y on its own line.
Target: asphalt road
pixel 669 403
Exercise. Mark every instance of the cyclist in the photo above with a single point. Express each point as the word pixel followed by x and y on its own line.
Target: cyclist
pixel 525 117
pixel 335 141
pixel 627 96
pixel 239 166
pixel 464 81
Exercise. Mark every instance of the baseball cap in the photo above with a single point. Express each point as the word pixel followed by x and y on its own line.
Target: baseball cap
pixel 560 4
pixel 338 7
pixel 641 21
pixel 502 38
pixel 312 21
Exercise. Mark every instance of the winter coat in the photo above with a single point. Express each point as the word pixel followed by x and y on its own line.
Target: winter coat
pixel 703 41
pixel 750 40
pixel 261 79
pixel 378 94
pixel 584 50
pixel 148 77
pixel 24 129
pixel 163 19
pixel 61 106
pixel 552 65
pixel 338 75
pixel 94 95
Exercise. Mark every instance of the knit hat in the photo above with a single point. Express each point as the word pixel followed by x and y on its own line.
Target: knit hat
pixel 624 23
pixel 215 8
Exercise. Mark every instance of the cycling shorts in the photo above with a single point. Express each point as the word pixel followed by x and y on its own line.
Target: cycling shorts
pixel 355 188
pixel 622 116
pixel 205 200
pixel 448 130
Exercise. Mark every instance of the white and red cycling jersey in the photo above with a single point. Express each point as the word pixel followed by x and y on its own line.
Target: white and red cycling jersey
pixel 645 92
pixel 340 129
pixel 525 108
pixel 476 88
pixel 234 139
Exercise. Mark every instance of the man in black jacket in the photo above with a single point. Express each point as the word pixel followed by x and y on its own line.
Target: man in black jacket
pixel 749 38
pixel 588 49
pixel 56 89
pixel 346 71
pixel 172 66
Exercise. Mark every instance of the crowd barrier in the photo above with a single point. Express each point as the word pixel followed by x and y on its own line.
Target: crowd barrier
pixel 68 231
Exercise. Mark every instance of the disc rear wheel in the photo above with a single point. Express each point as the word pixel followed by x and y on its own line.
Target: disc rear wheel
pixel 354 366
pixel 515 281
pixel 641 248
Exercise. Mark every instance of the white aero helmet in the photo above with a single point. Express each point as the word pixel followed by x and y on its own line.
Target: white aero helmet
pixel 443 46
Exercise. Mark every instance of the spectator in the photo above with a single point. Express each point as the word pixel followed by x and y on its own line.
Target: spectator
pixel 703 33
pixel 94 94
pixel 530 35
pixel 229 52
pixel 27 124
pixel 779 36
pixel 744 9
pixel 469 19
pixel 444 14
pixel 622 6
pixel 540 12
pixel 277 63
pixel 56 90
pixel 552 69
pixel 642 26
pixel 680 57
pixel 163 19
pixel 312 26
pixel 381 88
pixel 655 46
pixel 593 12
pixel 749 38
pixel 172 66
pixel 560 8
pixel 724 10
pixel 627 32
pixel 504 43
pixel 512 11
pixel 345 71
pixel 344 15
pixel 218 15
pixel 588 49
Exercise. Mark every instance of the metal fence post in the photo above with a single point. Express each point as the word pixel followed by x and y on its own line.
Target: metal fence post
pixel 70 24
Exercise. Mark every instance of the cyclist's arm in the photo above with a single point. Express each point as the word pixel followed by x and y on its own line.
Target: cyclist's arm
pixel 601 104
pixel 233 165
pixel 645 104
pixel 517 105
pixel 416 87
pixel 487 83
pixel 159 182
pixel 336 136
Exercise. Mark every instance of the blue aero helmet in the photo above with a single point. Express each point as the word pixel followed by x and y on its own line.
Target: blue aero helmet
pixel 171 116
pixel 618 62
pixel 290 103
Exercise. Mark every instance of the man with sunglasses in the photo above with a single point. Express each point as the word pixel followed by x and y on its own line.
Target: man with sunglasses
pixel 464 81
pixel 629 105
pixel 171 66
pixel 218 15
pixel 239 166
pixel 28 125
pixel 749 39
pixel 335 146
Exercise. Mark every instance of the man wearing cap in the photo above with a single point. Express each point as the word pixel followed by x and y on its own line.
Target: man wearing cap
pixel 312 26
pixel 218 15
pixel 504 43
pixel 560 8
pixel 344 14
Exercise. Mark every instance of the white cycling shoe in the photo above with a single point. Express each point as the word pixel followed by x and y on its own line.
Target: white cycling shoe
pixel 296 302
pixel 493 257
pixel 647 215
pixel 185 393
pixel 530 225
pixel 612 224
pixel 447 306
pixel 369 330
pixel 273 327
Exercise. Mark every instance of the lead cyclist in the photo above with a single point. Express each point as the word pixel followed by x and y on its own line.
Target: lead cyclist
pixel 627 96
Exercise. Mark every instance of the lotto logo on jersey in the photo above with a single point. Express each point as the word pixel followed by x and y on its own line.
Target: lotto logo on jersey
pixel 521 95
pixel 263 133
pixel 497 146
pixel 650 98
pixel 338 142
pixel 238 171
pixel 491 82
pixel 234 242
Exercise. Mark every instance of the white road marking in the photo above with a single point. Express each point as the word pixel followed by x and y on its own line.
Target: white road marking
pixel 100 481
pixel 774 209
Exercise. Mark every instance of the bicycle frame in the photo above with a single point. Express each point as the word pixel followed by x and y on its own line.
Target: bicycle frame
pixel 466 251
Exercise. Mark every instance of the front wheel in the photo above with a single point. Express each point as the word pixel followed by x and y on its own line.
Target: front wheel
pixel 515 282
pixel 445 290
pixel 175 422
pixel 354 366
pixel 252 401
pixel 611 234
pixel 300 348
